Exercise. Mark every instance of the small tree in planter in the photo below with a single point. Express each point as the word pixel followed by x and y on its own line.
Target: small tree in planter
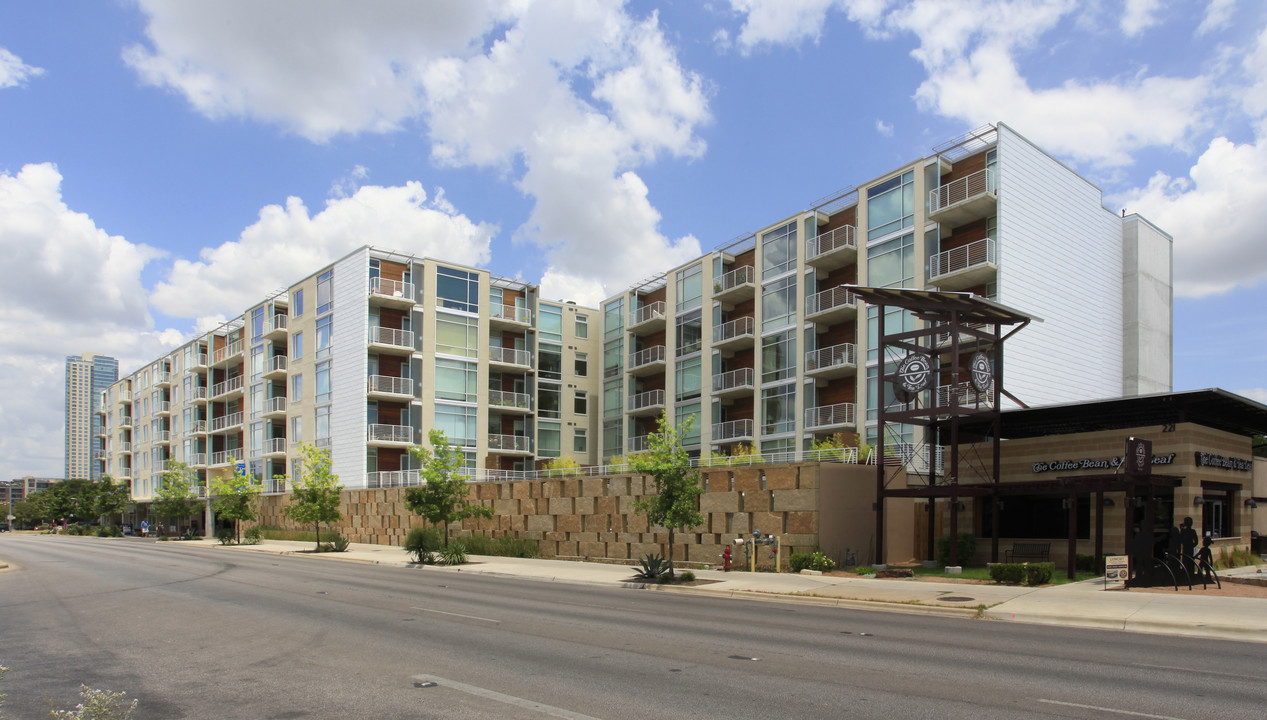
pixel 677 488
pixel 315 498
pixel 444 498
pixel 234 497
pixel 175 499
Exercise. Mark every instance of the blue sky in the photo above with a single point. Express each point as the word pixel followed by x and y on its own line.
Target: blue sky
pixel 163 164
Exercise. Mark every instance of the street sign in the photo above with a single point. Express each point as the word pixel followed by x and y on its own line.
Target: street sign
pixel 1117 570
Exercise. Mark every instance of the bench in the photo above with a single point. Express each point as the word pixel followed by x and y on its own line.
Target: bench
pixel 1038 552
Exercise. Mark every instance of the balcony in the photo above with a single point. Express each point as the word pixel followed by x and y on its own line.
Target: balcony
pixel 832 249
pixel 380 435
pixel 124 447
pixel 392 293
pixel 733 431
pixel 963 267
pixel 736 286
pixel 385 387
pixel 98 454
pixel 199 362
pixel 509 358
pixel 275 486
pixel 275 407
pixel 512 402
pixel 163 378
pixel 275 368
pixel 964 200
pixel 831 362
pixel 276 328
pixel 225 457
pixel 734 335
pixel 198 427
pixel 198 394
pixel 510 444
pixel 964 395
pixel 391 340
pixel 274 447
pixel 831 306
pixel 648 361
pixel 125 421
pixel 226 422
pixel 647 319
pixel 733 383
pixel 162 437
pixel 162 407
pixel 227 354
pixel 638 444
pixel 830 417
pixel 198 459
pixel 393 478
pixel 227 388
pixel 509 316
pixel 647 403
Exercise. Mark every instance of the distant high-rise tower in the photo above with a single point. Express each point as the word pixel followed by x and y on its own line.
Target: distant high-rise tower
pixel 86 377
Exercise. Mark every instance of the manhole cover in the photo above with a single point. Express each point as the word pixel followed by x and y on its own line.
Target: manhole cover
pixel 955 598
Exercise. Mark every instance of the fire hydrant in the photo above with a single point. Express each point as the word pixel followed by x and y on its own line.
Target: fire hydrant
pixel 725 558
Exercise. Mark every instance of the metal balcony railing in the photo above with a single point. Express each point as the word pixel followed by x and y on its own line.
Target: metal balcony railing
pixel 650 311
pixel 198 392
pixel 964 394
pixel 277 363
pixel 390 385
pixel 651 398
pixel 841 237
pixel 392 336
pixel 226 387
pixel 162 407
pixel 732 430
pixel 978 183
pixel 502 398
pixel 226 352
pixel 834 356
pixel 279 322
pixel 391 288
pixel 739 327
pixel 510 356
pixel 225 422
pixel 275 486
pixel 646 357
pixel 980 252
pixel 198 459
pixel 829 415
pixel 199 361
pixel 125 421
pixel 513 443
pixel 829 300
pixel 197 427
pixel 510 312
pixel 275 446
pixel 732 380
pixel 638 444
pixel 162 377
pixel 743 275
pixel 393 478
pixel 224 457
pixel 275 405
pixel 162 437
pixel 390 433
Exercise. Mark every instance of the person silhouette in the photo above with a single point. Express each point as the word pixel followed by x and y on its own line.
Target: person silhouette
pixel 1141 552
pixel 1188 539
pixel 1205 558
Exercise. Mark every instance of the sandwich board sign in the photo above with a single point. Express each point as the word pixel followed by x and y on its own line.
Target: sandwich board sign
pixel 1117 570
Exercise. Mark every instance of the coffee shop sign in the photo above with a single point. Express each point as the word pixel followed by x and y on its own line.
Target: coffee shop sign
pixel 1093 463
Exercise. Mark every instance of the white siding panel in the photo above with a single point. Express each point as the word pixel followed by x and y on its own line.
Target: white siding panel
pixel 1060 258
pixel 348 369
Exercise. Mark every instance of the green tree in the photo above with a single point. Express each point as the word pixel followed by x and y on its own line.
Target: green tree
pixel 315 498
pixel 675 504
pixel 444 498
pixel 234 497
pixel 111 498
pixel 175 498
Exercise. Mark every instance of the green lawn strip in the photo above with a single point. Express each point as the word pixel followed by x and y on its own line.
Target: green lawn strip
pixel 980 573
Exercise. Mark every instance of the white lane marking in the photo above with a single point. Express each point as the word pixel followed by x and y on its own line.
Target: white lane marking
pixel 1112 710
pixel 502 698
pixel 469 617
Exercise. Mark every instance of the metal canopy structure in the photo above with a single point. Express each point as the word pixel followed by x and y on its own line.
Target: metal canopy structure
pixel 924 380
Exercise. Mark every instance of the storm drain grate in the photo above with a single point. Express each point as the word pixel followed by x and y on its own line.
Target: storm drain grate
pixel 956 598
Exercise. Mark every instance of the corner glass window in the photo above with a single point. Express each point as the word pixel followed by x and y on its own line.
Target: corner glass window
pixel 457 289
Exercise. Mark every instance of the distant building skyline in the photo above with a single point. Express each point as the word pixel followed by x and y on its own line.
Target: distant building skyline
pixel 87 376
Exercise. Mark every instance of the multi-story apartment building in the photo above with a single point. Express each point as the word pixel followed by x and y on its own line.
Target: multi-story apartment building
pixel 86 376
pixel 364 357
pixel 764 343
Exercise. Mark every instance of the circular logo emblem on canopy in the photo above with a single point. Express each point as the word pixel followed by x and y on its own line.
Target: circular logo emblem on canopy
pixel 914 373
pixel 982 373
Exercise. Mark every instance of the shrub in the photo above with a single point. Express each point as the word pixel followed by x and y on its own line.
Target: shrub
pixel 653 566
pixel 687 576
pixel 864 570
pixel 189 534
pixel 340 543
pixel 1086 563
pixel 1236 558
pixel 98 705
pixel 1039 573
pixel 967 548
pixel 664 579
pixel 325 547
pixel 251 537
pixel 800 561
pixel 225 536
pixel 454 554
pixel 109 531
pixel 1009 573
pixel 820 562
pixel 423 543
pixel 503 546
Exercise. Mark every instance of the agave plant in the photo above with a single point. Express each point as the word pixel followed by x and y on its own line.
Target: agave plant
pixel 653 566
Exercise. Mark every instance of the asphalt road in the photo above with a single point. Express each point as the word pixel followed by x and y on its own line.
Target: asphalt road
pixel 209 633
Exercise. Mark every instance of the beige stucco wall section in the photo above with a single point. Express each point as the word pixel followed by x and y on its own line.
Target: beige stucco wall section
pixel 847 515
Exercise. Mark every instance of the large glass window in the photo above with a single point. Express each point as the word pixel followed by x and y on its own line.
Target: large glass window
pixel 612 398
pixel 892 263
pixel 778 356
pixel 549 439
pixel 457 289
pixel 580 403
pixel 548 401
pixel 690 287
pixel 613 319
pixel 687 378
pixel 550 362
pixel 690 333
pixel 323 382
pixel 257 361
pixel 324 327
pixel 550 322
pixel 297 303
pixel 325 292
pixel 257 324
pixel 458 424
pixel 778 251
pixel 296 388
pixel 457 380
pixel 612 443
pixel 580 440
pixel 457 335
pixel 685 412
pixel 891 205
pixel 613 357
pixel 778 303
pixel 297 346
pixel 778 409
pixel 323 422
pixel 582 329
pixel 581 364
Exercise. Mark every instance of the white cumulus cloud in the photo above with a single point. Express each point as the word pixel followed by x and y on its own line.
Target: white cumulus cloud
pixel 14 72
pixel 1139 15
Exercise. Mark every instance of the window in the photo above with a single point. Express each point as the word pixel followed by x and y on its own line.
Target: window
pixel 297 346
pixel 550 322
pixel 778 356
pixel 613 319
pixel 325 292
pixel 580 443
pixel 550 362
pixel 612 395
pixel 457 289
pixel 457 335
pixel 778 304
pixel 297 303
pixel 257 361
pixel 257 438
pixel 549 440
pixel 690 333
pixel 458 424
pixel 323 382
pixel 683 413
pixel 891 205
pixel 324 326
pixel 687 378
pixel 296 388
pixel 582 364
pixel 582 329
pixel 548 401
pixel 778 409
pixel 778 251
pixel 323 422
pixel 296 430
pixel 690 287
pixel 257 324
pixel 892 263
pixel 456 380
pixel 580 403
pixel 613 357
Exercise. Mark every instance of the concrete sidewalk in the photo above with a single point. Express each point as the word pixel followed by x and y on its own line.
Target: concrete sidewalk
pixel 1085 604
